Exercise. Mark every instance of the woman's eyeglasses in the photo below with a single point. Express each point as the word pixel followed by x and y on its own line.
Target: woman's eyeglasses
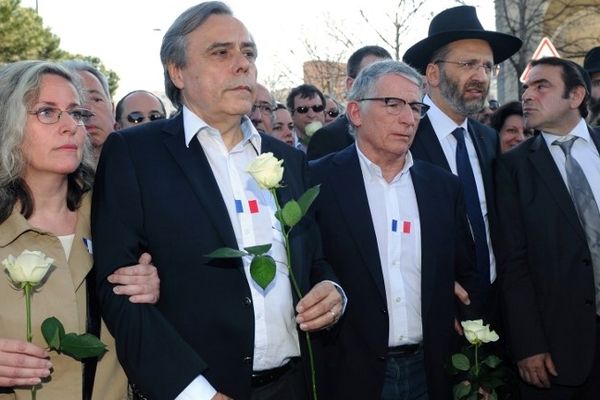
pixel 51 115
pixel 333 113
pixel 137 117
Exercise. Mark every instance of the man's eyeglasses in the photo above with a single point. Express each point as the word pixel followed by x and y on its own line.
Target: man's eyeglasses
pixel 472 66
pixel 137 117
pixel 333 113
pixel 395 105
pixel 51 115
pixel 304 109
pixel 263 108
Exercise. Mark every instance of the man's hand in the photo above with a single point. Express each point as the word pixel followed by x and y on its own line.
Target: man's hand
pixel 22 363
pixel 221 396
pixel 140 282
pixel 463 296
pixel 319 308
pixel 534 370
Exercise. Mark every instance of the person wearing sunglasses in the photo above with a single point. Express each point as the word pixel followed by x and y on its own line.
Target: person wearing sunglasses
pixel 332 109
pixel 307 105
pixel 139 107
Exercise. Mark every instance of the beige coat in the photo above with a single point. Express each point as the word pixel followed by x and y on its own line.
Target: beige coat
pixel 63 295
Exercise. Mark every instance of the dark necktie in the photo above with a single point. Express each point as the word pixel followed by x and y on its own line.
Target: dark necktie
pixel 465 173
pixel 587 209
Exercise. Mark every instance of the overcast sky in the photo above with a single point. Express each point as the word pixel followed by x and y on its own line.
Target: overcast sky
pixel 126 34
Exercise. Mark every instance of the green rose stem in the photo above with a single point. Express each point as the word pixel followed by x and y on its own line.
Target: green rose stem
pixel 27 289
pixel 298 293
pixel 476 361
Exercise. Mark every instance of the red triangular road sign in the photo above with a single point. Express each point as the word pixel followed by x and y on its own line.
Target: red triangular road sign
pixel 544 49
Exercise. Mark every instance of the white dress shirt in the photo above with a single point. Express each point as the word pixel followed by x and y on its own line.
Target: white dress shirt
pixel 443 127
pixel 584 151
pixel 251 212
pixel 395 216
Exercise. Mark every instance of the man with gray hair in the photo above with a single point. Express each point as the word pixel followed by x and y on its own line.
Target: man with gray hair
pixel 97 99
pixel 395 232
pixel 216 333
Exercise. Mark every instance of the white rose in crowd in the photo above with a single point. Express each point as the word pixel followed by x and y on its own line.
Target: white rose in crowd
pixel 311 128
pixel 266 170
pixel 29 266
pixel 476 332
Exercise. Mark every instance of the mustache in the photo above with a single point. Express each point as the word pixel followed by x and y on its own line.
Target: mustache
pixel 481 86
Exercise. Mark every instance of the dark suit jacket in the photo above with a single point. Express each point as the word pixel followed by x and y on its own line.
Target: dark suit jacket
pixel 357 348
pixel 427 147
pixel 545 267
pixel 154 194
pixel 330 138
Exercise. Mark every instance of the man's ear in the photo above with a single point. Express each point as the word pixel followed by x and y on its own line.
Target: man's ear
pixel 175 75
pixel 353 112
pixel 432 75
pixel 577 95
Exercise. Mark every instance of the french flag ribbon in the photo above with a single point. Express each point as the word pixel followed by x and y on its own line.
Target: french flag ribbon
pixel 88 245
pixel 252 206
pixel 405 226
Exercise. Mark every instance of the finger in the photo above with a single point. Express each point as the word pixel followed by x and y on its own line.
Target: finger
pixel 332 302
pixel 145 258
pixel 320 291
pixel 543 378
pixel 12 347
pixel 136 270
pixel 458 327
pixel 316 324
pixel 461 293
pixel 144 299
pixel 550 365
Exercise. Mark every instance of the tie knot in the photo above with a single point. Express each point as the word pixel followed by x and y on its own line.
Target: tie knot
pixel 565 145
pixel 459 134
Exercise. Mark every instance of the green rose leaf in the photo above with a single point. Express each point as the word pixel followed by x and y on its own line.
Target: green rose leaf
pixel 460 390
pixel 226 252
pixel 492 361
pixel 308 197
pixel 291 213
pixel 491 382
pixel 258 250
pixel 262 270
pixel 53 331
pixel 82 346
pixel 493 395
pixel 460 362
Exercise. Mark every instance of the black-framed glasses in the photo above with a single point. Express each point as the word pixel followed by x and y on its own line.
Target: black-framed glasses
pixel 51 115
pixel 333 113
pixel 473 65
pixel 137 117
pixel 395 105
pixel 304 109
pixel 263 108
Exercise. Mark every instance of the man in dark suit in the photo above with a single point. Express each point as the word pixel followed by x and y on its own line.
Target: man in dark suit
pixel 336 136
pixel 548 192
pixel 395 232
pixel 458 59
pixel 179 189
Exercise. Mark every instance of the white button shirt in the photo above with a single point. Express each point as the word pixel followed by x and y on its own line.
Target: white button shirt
pixel 251 213
pixel 395 215
pixel 443 127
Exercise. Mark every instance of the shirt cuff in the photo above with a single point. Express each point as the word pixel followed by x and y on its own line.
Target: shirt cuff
pixel 342 293
pixel 198 389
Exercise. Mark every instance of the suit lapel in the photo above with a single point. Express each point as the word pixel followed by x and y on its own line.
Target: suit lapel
pixel 595 135
pixel 428 239
pixel 427 147
pixel 197 170
pixel 548 171
pixel 348 186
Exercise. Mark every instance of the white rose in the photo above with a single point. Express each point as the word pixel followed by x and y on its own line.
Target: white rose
pixel 477 333
pixel 266 170
pixel 311 128
pixel 28 267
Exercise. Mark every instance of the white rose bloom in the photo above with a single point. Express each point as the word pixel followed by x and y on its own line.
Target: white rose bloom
pixel 266 170
pixel 29 266
pixel 311 128
pixel 476 332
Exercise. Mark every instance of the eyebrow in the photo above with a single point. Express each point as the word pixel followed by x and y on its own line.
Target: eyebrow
pixel 229 45
pixel 543 80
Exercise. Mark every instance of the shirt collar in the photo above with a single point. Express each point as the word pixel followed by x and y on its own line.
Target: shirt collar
pixel 580 131
pixel 441 123
pixel 194 125
pixel 373 171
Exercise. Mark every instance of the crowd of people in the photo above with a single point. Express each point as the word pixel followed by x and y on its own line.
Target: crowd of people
pixel 436 205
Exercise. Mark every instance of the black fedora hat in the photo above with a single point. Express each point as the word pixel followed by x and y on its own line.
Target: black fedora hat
pixel 454 24
pixel 591 63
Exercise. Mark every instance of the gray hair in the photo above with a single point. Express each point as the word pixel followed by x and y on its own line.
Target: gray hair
pixel 84 66
pixel 20 84
pixel 364 84
pixel 173 49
